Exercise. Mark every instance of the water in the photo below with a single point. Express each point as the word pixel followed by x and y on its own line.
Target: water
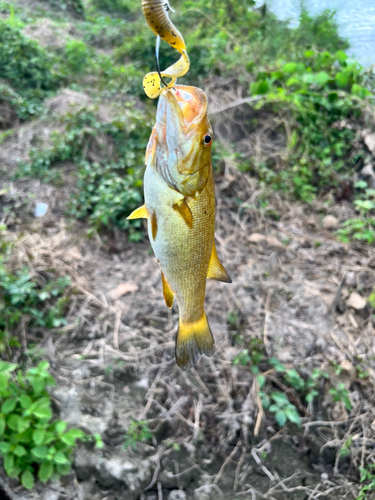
pixel 356 20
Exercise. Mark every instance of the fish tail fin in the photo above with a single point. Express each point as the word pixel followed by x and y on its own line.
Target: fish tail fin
pixel 193 339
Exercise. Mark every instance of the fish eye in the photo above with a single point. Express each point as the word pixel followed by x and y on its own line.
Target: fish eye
pixel 207 139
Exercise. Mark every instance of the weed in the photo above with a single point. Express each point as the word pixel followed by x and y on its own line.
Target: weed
pixel 362 228
pixel 252 356
pixel 108 190
pixel 371 299
pixel 339 393
pixel 283 409
pixel 77 57
pixel 367 476
pixel 24 63
pixel 70 5
pixel 345 448
pixel 21 297
pixel 31 442
pixel 320 91
pixel 138 431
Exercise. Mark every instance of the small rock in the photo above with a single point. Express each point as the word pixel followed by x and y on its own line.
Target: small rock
pixel 330 222
pixel 177 495
pixel 206 492
pixel 356 301
pixel 370 142
pixel 40 209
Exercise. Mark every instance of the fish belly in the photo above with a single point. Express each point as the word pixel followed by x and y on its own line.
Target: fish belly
pixel 183 253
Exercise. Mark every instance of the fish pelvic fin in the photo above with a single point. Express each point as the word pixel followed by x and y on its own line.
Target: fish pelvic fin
pixel 167 291
pixel 184 210
pixel 139 213
pixel 193 339
pixel 216 269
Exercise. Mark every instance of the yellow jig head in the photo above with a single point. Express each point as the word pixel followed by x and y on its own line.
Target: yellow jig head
pixel 156 13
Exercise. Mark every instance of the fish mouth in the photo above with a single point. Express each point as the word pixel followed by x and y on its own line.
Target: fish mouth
pixel 187 104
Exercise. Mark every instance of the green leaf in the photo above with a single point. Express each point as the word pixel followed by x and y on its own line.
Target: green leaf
pixel 292 415
pixel 71 436
pixel 27 480
pixel 13 421
pixel 341 56
pixel 280 418
pixel 40 451
pixel 7 367
pixel 45 471
pixel 309 53
pixel 60 458
pixel 38 436
pixel 279 397
pixel 3 383
pixel 8 405
pixel 321 78
pixel 25 401
pixel 279 367
pixel 43 413
pixel 290 67
pixel 43 366
pixel 342 78
pixel 38 384
pixel 19 451
pixel 311 395
pixel 4 447
pixel 9 464
pixel 63 469
pixel 2 424
pixel 23 424
pixel 60 426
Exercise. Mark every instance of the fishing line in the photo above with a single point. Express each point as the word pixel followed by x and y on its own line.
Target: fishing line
pixel 157 59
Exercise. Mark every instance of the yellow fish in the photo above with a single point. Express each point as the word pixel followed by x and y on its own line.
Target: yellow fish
pixel 180 207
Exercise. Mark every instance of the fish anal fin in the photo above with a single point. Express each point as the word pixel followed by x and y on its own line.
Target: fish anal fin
pixel 167 291
pixel 139 213
pixel 184 210
pixel 193 339
pixel 154 224
pixel 216 269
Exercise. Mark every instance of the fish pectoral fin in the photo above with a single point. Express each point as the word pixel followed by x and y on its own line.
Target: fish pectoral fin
pixel 216 269
pixel 154 224
pixel 139 213
pixel 167 291
pixel 184 210
pixel 193 339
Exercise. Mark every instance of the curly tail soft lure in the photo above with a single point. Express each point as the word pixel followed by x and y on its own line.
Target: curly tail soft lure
pixel 156 13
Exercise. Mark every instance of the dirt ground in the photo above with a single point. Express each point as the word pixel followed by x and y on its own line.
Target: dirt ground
pixel 295 287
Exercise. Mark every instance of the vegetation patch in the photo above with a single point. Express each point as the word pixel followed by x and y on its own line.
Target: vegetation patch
pixel 32 443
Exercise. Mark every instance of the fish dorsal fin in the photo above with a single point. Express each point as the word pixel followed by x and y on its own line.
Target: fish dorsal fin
pixel 139 213
pixel 184 210
pixel 154 224
pixel 167 291
pixel 216 269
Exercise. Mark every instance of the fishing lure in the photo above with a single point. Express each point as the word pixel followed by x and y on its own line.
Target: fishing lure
pixel 157 17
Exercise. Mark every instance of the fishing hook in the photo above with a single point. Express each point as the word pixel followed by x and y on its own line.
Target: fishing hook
pixel 157 59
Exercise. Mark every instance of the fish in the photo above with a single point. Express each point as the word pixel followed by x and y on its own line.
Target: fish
pixel 179 195
pixel 156 14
